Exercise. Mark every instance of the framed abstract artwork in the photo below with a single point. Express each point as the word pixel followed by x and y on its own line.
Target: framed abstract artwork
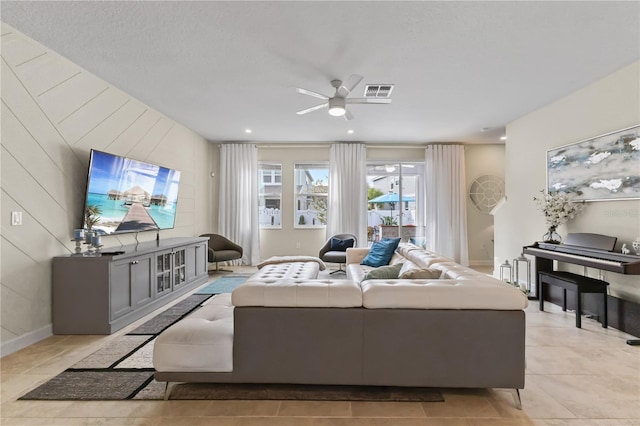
pixel 606 167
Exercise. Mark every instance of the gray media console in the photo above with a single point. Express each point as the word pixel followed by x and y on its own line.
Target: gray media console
pixel 102 294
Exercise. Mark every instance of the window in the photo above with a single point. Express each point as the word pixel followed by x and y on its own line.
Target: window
pixel 311 191
pixel 270 194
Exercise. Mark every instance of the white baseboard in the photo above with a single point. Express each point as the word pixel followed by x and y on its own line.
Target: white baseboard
pixel 25 340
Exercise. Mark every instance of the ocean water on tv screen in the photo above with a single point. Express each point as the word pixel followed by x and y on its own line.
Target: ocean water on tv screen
pixel 113 211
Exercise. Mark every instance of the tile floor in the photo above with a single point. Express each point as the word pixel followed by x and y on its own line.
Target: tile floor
pixel 576 377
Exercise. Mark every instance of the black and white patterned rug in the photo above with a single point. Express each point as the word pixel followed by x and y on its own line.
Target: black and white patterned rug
pixel 123 369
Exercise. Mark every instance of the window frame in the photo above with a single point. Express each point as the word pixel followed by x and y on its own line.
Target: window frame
pixel 262 195
pixel 296 212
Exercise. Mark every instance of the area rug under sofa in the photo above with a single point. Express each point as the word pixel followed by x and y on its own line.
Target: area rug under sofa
pixel 123 369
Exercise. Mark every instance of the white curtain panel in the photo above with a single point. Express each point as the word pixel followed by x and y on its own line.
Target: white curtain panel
pixel 446 205
pixel 238 209
pixel 347 201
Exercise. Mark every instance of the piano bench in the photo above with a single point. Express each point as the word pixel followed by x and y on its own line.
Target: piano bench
pixel 577 283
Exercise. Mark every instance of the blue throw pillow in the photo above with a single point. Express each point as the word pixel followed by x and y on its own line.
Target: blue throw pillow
pixel 341 245
pixel 380 252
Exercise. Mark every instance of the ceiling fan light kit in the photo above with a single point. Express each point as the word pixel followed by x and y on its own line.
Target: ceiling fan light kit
pixel 337 104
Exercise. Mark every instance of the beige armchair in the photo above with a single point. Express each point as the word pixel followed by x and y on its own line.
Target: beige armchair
pixel 221 249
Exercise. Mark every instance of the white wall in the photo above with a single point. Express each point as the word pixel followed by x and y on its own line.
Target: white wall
pixel 53 113
pixel 607 105
pixel 281 242
pixel 481 160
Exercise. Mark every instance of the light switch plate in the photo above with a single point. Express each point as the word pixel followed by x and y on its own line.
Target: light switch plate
pixel 16 218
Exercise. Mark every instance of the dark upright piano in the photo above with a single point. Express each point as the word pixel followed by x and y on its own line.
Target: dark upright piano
pixel 592 250
pixel 585 249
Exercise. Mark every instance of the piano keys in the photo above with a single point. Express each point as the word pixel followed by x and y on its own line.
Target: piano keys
pixel 606 261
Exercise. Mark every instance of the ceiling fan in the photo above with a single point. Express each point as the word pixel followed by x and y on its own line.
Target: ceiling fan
pixel 338 103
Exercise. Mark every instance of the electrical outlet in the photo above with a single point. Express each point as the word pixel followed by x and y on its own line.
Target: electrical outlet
pixel 16 218
pixel 298 246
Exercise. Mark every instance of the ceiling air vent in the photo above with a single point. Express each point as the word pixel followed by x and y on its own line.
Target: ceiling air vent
pixel 378 90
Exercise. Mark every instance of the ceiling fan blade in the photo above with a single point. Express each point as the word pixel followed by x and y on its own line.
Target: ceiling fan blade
pixel 348 86
pixel 313 108
pixel 310 93
pixel 347 115
pixel 368 100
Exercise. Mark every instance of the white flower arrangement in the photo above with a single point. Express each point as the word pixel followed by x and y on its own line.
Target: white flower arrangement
pixel 558 208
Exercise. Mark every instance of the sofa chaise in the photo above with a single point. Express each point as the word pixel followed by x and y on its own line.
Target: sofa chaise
pixel 284 325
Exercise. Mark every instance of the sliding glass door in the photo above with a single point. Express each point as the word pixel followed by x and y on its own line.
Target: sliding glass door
pixel 395 201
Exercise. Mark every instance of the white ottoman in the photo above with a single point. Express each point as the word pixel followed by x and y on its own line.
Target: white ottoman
pixel 203 341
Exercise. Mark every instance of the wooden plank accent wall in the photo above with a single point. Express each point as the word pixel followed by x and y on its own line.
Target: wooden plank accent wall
pixel 53 112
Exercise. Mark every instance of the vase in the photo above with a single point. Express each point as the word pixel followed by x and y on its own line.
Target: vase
pixel 552 237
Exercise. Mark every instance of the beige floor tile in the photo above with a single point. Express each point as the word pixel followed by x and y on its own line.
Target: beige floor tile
pixel 609 409
pixel 586 422
pixel 390 421
pixel 16 385
pixel 460 405
pixel 100 409
pixel 198 421
pixel 387 409
pixel 39 421
pixel 584 387
pixel 274 421
pixel 499 422
pixel 44 409
pixel 315 408
pixel 243 408
pixel 572 337
pixel 504 402
pixel 183 408
pixel 537 404
pixel 594 396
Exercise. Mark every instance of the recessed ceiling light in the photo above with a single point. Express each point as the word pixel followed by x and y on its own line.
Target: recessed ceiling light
pixel 350 131
pixel 248 130
pixel 503 138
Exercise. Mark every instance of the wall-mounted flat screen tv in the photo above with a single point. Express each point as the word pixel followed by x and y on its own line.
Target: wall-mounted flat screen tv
pixel 129 195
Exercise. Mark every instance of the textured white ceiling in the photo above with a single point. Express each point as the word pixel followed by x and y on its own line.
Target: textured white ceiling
pixel 220 67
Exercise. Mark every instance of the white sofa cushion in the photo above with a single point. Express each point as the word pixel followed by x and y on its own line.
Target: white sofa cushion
pixel 203 341
pixel 481 293
pixel 294 270
pixel 356 271
pixel 298 293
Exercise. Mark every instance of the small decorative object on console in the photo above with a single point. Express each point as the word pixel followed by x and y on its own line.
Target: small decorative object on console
pixel 636 246
pixel 78 237
pixel 625 250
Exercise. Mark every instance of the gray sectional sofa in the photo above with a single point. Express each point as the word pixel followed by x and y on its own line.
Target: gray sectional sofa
pixel 284 325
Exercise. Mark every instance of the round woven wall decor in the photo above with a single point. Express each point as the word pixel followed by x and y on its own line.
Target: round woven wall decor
pixel 485 192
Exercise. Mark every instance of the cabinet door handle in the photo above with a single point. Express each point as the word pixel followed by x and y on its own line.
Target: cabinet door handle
pixel 134 262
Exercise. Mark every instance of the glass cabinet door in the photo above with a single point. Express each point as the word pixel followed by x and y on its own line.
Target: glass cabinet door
pixel 179 267
pixel 163 272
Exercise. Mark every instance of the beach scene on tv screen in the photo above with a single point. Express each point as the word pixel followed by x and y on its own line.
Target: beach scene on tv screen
pixel 131 195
